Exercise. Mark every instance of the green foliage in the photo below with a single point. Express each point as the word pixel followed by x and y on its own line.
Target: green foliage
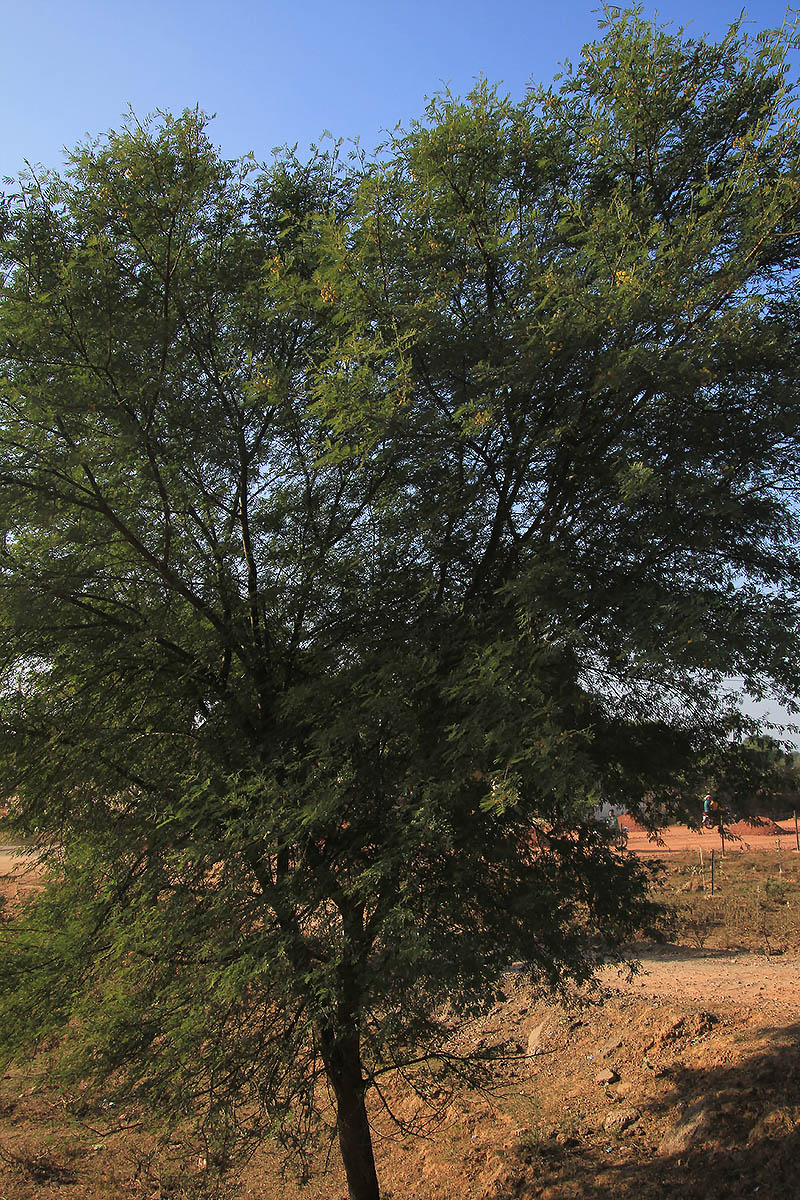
pixel 754 777
pixel 359 518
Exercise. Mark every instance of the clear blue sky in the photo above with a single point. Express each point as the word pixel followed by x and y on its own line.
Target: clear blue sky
pixel 277 72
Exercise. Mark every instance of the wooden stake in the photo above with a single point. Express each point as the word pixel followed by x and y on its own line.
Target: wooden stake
pixel 712 872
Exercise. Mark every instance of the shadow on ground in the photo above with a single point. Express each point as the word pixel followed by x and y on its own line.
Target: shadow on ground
pixel 727 1131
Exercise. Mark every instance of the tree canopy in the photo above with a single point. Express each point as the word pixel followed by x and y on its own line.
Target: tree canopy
pixel 359 516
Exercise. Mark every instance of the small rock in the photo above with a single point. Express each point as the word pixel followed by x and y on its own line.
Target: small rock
pixel 604 1078
pixel 773 1126
pixel 567 1140
pixel 621 1119
pixel 535 1038
pixel 540 1037
pixel 683 1029
pixel 696 1121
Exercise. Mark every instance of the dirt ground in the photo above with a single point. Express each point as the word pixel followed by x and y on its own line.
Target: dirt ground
pixel 677 1082
pixel 767 987
pixel 740 836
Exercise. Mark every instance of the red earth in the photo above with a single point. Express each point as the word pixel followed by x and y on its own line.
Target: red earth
pixel 741 835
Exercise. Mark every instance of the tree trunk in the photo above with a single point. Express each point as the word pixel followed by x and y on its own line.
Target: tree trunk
pixel 342 1060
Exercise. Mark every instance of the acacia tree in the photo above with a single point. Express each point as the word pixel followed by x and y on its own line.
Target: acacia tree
pixel 358 518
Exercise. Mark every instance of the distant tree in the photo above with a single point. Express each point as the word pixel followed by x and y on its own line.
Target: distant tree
pixel 357 517
pixel 755 777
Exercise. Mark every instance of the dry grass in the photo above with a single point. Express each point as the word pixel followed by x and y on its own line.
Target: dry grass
pixel 754 906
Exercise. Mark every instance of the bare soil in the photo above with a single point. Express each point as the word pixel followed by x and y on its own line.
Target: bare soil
pixel 768 836
pixel 679 1080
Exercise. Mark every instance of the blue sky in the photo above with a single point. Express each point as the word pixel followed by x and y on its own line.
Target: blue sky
pixel 277 72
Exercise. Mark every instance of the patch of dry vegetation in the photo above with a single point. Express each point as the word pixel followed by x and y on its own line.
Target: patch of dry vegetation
pixel 754 904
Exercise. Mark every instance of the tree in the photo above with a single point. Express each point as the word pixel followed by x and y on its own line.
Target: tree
pixel 356 518
pixel 755 777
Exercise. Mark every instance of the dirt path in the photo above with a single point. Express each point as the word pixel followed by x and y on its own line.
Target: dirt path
pixel 15 860
pixel 676 838
pixel 18 873
pixel 769 986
